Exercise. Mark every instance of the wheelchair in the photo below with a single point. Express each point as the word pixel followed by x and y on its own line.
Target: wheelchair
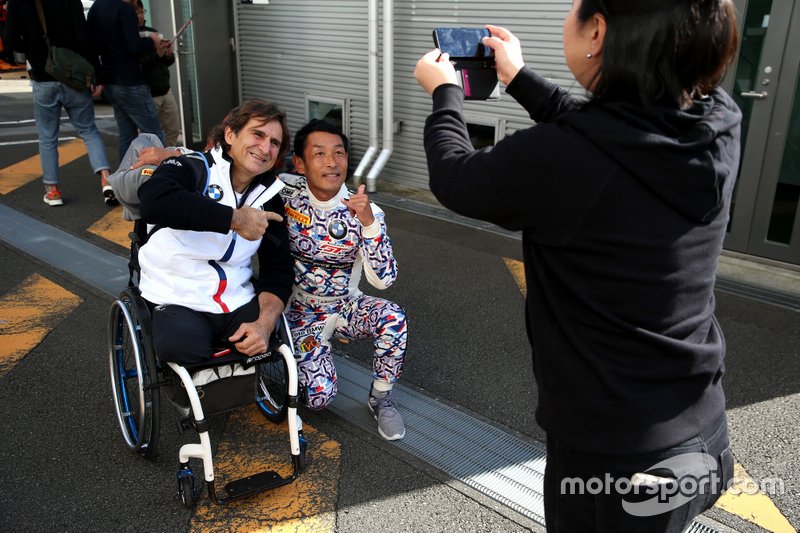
pixel 138 378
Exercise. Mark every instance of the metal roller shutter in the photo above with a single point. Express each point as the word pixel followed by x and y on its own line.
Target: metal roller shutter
pixel 291 48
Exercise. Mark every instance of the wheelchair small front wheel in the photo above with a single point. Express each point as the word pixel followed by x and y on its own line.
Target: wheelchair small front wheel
pixel 186 491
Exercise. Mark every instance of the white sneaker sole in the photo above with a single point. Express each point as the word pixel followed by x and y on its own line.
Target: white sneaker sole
pixel 395 437
pixel 53 203
pixel 108 195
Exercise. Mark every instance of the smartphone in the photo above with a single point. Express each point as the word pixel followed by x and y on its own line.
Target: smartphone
pixel 473 62
pixel 462 43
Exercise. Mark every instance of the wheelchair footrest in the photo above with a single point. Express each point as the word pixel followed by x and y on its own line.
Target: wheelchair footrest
pixel 254 484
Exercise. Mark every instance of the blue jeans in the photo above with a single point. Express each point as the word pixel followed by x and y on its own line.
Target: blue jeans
pixel 134 111
pixel 594 492
pixel 48 99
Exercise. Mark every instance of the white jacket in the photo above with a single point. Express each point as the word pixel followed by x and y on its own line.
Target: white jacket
pixel 203 270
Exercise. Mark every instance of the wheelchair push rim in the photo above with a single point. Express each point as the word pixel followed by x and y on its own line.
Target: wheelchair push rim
pixel 132 371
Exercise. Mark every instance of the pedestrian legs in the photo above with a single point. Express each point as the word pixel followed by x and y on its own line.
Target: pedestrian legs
pixel 367 317
pixel 170 118
pixel 80 109
pixel 134 112
pixel 47 112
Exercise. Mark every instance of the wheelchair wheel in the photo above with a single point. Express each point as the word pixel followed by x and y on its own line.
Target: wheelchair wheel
pixel 273 377
pixel 133 373
pixel 273 389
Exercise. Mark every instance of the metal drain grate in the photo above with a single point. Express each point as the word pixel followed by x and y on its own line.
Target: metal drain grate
pixel 484 457
pixel 697 527
pixel 762 294
pixel 493 462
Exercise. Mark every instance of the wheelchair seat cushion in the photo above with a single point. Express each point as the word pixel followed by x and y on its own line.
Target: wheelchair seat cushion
pixel 220 388
pixel 208 375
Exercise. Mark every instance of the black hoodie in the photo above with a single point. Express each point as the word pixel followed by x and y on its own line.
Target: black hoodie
pixel 623 210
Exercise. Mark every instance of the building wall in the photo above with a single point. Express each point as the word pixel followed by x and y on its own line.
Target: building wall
pixel 536 24
pixel 293 48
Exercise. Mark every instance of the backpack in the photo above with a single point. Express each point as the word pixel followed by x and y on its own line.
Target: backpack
pixel 65 64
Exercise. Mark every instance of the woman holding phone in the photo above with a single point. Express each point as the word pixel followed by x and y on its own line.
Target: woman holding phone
pixel 623 204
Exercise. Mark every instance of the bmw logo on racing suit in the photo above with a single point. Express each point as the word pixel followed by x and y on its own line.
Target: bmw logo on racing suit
pixel 214 192
pixel 337 229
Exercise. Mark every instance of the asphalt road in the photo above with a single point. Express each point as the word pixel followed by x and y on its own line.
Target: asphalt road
pixel 63 465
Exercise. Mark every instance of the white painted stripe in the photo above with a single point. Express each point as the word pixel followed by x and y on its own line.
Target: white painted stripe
pixel 32 141
pixel 17 122
pixel 32 120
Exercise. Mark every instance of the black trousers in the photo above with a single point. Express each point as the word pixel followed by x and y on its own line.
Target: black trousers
pixel 586 492
pixel 182 335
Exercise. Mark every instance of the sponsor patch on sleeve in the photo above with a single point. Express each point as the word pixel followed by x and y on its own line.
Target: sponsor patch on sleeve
pixel 147 172
pixel 298 216
pixel 289 192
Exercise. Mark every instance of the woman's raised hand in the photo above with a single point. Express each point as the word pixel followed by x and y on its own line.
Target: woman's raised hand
pixel 434 69
pixel 507 53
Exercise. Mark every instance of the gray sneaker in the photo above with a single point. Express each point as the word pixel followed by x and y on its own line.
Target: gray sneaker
pixel 390 421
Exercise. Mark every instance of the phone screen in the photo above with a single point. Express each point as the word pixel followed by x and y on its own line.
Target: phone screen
pixel 462 42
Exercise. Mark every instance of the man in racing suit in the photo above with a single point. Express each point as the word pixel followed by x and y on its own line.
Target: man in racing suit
pixel 333 235
pixel 196 263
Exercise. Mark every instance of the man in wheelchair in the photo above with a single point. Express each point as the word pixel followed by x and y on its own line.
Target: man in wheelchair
pixel 204 227
pixel 207 214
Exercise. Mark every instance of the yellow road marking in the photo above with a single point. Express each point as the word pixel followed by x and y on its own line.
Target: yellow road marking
pixel 517 269
pixel 22 173
pixel 113 227
pixel 27 314
pixel 252 444
pixel 746 501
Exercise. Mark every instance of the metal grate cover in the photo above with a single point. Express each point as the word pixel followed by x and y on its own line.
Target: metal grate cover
pixel 488 459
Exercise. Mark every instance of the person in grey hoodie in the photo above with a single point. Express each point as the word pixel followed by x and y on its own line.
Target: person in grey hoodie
pixel 623 202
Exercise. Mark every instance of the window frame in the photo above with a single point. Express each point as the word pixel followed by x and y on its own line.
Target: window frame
pixel 499 124
pixel 343 102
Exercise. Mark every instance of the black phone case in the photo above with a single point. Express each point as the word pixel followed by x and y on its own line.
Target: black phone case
pixel 478 78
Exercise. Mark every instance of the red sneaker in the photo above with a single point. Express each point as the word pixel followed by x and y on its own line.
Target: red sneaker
pixel 52 196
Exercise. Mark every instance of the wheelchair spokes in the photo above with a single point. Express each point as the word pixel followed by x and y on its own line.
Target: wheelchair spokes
pixel 133 370
pixel 273 388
